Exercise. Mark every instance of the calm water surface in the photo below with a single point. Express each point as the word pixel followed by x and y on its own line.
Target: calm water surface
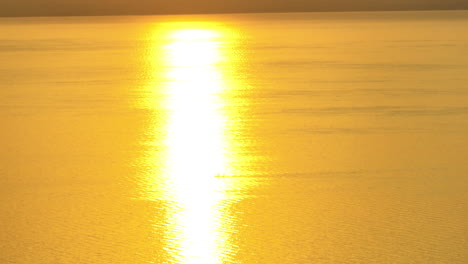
pixel 262 138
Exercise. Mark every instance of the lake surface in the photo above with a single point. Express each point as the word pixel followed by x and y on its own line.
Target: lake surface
pixel 257 138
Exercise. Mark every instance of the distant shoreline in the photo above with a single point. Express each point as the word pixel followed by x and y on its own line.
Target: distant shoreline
pixel 232 13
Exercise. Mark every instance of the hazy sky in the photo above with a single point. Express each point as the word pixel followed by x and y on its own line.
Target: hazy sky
pixel 109 7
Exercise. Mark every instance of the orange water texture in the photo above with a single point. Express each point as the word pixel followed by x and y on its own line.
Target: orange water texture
pixel 261 138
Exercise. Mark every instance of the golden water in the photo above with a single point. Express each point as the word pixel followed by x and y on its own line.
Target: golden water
pixel 262 138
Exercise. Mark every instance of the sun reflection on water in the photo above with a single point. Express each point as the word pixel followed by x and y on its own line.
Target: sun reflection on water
pixel 195 143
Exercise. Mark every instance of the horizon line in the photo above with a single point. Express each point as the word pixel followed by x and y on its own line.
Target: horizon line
pixel 230 13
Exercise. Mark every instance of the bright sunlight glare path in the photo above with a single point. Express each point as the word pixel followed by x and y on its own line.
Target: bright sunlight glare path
pixel 195 144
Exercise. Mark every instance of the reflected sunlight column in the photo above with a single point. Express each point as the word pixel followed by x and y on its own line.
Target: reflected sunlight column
pixel 195 145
